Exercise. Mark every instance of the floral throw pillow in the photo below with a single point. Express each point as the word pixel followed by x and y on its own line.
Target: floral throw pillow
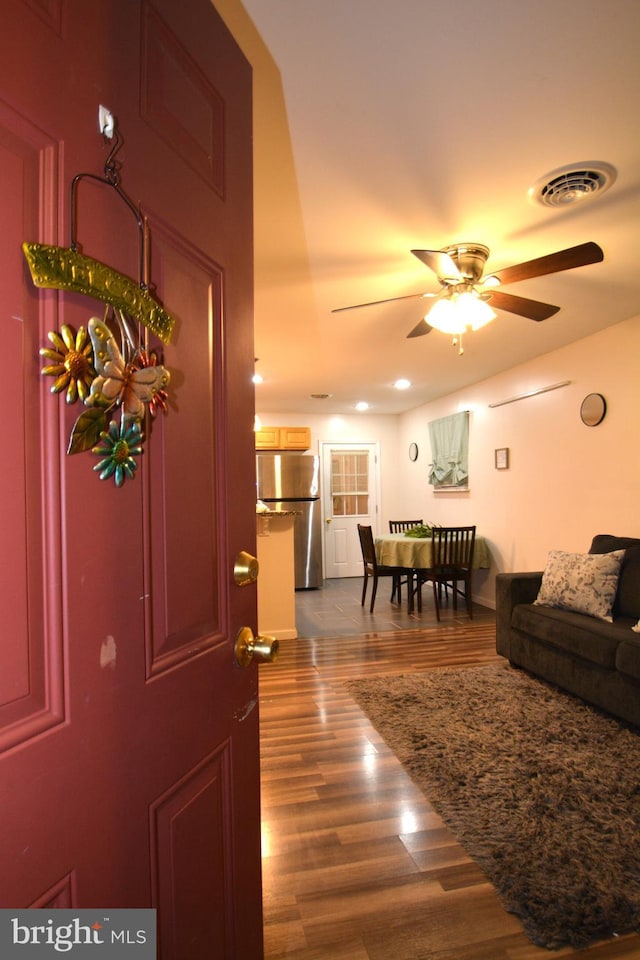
pixel 581 582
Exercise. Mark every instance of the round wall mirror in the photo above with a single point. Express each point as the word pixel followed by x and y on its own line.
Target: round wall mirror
pixel 593 409
pixel 413 452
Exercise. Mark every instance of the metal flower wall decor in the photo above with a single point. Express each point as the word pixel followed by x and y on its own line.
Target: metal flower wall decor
pixel 107 366
pixel 110 379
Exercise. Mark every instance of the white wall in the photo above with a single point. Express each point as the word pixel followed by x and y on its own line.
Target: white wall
pixel 565 482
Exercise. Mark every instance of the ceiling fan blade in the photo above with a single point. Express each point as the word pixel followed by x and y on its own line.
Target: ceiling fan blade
pixel 523 307
pixel 441 263
pixel 420 329
pixel 374 303
pixel 579 256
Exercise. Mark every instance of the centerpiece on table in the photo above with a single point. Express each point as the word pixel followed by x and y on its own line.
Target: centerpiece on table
pixel 421 530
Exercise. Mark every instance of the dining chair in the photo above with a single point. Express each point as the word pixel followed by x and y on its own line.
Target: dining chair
pixel 401 526
pixel 373 569
pixel 452 563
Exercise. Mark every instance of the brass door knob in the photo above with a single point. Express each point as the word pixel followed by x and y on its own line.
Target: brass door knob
pixel 248 647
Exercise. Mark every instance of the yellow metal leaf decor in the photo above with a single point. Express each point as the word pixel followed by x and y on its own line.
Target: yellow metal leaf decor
pixel 87 430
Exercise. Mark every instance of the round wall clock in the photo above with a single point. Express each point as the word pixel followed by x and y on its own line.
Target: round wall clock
pixel 413 452
pixel 593 409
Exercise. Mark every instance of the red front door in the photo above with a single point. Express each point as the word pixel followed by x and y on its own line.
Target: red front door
pixel 128 734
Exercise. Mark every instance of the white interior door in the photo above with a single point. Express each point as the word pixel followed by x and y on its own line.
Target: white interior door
pixel 350 496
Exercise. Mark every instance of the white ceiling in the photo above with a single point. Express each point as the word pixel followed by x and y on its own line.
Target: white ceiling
pixel 382 127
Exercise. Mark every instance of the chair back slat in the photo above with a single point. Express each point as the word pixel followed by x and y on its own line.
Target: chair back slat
pixel 399 526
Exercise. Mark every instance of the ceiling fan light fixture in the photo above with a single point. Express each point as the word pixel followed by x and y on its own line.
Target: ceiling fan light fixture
pixel 459 313
pixel 476 312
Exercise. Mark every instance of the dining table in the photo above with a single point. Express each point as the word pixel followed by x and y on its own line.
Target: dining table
pixel 399 550
pixel 416 553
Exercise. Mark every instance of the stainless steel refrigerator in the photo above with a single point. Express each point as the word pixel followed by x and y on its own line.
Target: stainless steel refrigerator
pixel 291 481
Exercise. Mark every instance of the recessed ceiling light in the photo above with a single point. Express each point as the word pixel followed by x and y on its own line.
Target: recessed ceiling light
pixel 362 405
pixel 402 384
pixel 257 378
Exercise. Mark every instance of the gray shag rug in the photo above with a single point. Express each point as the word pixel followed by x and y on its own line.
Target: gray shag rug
pixel 540 789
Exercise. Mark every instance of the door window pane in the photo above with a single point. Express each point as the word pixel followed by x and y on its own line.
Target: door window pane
pixel 350 483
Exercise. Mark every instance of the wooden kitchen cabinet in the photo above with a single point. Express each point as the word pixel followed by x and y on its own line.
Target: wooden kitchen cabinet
pixel 268 438
pixel 283 438
pixel 295 438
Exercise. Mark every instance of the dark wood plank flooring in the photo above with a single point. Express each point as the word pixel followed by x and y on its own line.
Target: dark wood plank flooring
pixel 356 863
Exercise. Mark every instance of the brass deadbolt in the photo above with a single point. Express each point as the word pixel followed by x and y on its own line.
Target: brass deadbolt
pixel 245 569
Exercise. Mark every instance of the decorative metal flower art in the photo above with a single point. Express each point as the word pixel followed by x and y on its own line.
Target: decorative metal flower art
pixel 118 447
pixel 110 368
pixel 110 378
pixel 71 362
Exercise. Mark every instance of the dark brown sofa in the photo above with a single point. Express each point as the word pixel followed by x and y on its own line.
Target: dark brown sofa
pixel 597 660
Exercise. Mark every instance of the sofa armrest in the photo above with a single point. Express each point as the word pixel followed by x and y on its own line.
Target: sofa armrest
pixel 511 589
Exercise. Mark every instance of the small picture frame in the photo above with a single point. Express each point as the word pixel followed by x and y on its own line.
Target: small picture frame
pixel 502 458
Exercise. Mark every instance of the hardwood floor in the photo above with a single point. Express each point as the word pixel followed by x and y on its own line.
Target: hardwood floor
pixel 356 863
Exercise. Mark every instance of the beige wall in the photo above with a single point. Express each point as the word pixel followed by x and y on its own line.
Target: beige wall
pixel 565 481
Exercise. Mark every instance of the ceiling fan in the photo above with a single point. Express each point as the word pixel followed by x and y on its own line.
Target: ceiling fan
pixel 459 269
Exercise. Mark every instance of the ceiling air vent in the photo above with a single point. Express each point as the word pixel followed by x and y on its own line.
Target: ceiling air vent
pixel 573 184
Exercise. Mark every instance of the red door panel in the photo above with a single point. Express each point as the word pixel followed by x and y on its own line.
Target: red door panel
pixel 188 836
pixel 186 613
pixel 128 734
pixel 30 678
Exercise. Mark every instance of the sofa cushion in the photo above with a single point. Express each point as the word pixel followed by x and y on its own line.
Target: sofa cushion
pixel 581 582
pixel 575 634
pixel 628 658
pixel 627 602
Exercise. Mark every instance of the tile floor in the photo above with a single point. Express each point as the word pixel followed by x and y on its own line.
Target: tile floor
pixel 335 610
